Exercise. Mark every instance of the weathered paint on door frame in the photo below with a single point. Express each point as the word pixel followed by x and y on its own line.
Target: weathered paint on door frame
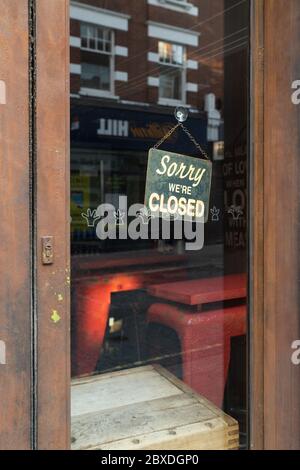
pixel 34 175
pixel 52 217
pixel 274 264
pixel 15 243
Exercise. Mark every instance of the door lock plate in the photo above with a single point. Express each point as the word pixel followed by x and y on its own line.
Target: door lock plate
pixel 47 250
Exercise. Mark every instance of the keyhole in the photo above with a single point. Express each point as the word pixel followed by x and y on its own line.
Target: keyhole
pixel 48 251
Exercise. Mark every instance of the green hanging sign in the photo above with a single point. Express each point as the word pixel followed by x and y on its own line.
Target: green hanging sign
pixel 177 185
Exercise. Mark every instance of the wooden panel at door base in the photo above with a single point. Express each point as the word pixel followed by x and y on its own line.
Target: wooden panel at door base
pixel 146 408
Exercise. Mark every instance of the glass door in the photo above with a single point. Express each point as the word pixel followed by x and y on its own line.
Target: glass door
pixel 159 319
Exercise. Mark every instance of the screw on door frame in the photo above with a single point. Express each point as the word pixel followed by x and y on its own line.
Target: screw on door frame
pixel 2 353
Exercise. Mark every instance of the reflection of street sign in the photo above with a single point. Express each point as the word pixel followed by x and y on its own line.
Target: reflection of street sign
pixel 123 128
pixel 177 184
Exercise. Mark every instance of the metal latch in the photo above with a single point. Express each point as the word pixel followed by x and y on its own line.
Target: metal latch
pixel 47 250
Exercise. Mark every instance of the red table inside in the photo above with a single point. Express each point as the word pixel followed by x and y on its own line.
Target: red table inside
pixel 202 291
pixel 205 336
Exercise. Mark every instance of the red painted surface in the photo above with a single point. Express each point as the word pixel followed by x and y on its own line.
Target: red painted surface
pixel 202 291
pixel 205 344
pixel 91 298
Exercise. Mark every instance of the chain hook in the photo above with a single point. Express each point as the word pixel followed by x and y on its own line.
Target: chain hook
pixel 181 114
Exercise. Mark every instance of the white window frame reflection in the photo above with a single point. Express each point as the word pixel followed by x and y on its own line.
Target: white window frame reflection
pixel 105 46
pixel 175 61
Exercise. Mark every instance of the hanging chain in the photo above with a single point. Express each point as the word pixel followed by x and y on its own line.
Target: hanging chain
pixel 192 138
pixel 166 136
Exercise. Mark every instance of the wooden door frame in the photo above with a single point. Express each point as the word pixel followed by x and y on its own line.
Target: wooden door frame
pixel 16 240
pixel 36 130
pixel 34 175
pixel 267 428
pixel 52 218
pixel 281 222
pixel 274 241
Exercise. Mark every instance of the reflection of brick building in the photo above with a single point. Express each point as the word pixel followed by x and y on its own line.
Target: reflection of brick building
pixel 147 51
pixel 131 63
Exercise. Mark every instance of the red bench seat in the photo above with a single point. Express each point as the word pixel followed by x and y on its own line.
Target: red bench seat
pixel 205 343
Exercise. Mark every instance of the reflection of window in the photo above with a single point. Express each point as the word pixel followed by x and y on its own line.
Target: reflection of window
pixel 171 53
pixel 96 57
pixel 95 38
pixel 171 77
pixel 180 3
pixel 95 75
pixel 170 84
